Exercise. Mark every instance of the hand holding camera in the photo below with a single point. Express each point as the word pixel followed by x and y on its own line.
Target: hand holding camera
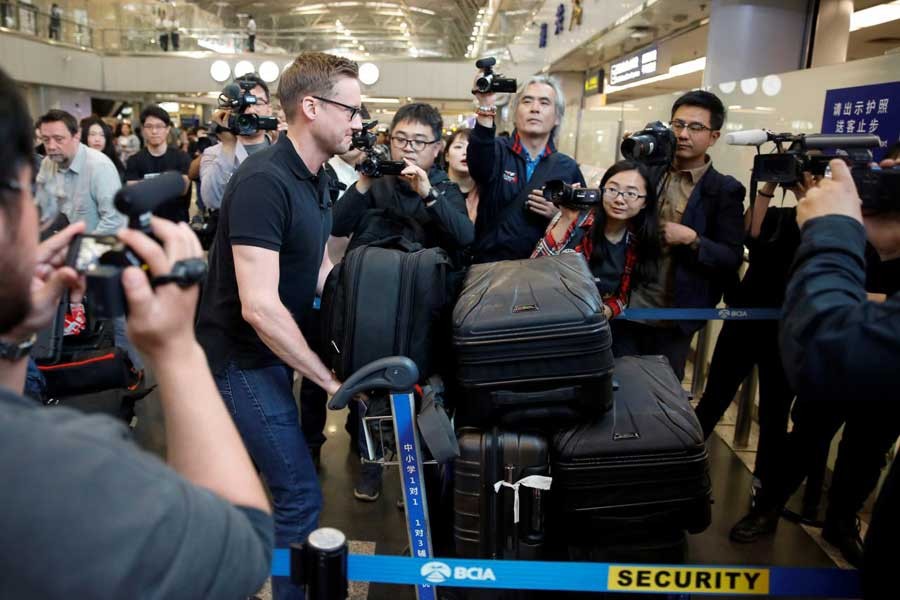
pixel 417 179
pixel 486 86
pixel 834 196
pixel 373 165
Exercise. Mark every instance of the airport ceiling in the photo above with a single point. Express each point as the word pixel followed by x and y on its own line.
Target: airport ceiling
pixel 382 28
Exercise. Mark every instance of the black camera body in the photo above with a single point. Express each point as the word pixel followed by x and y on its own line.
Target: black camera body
pixel 796 154
pixel 374 165
pixel 204 226
pixel 236 97
pixel 654 145
pixel 102 258
pixel 491 82
pixel 562 194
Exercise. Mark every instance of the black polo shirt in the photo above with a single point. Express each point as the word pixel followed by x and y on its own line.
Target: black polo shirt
pixel 144 165
pixel 271 202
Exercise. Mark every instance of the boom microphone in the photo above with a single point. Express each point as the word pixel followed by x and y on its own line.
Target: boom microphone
pixel 842 140
pixel 748 137
pixel 149 194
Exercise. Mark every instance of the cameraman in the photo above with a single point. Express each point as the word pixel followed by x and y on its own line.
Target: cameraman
pixel 264 275
pixel 117 522
pixel 701 217
pixel 221 161
pixel 839 347
pixel 510 172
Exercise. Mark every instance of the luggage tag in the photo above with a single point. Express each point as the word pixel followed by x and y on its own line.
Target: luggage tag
pixel 535 482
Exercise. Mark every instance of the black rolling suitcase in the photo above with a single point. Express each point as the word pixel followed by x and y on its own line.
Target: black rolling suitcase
pixel 532 343
pixel 383 301
pixel 642 467
pixel 484 520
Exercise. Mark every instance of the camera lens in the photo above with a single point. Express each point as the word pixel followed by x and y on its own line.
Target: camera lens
pixel 483 84
pixel 638 146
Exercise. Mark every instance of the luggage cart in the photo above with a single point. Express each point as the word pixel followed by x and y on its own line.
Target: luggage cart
pixel 398 376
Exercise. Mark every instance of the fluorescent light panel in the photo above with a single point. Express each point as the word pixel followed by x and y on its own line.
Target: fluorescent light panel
pixel 685 68
pixel 875 15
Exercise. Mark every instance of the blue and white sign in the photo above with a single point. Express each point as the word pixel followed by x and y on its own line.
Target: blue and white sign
pixel 871 109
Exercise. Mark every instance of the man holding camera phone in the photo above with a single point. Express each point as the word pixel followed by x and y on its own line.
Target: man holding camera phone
pixel 119 521
pixel 221 161
pixel 702 222
pixel 266 266
pixel 510 172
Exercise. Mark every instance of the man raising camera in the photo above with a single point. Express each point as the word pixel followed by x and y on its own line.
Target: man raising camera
pixel 510 172
pixel 220 162
pixel 701 217
pixel 264 275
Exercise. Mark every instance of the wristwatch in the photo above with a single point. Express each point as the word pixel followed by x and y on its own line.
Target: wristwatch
pixel 432 196
pixel 13 352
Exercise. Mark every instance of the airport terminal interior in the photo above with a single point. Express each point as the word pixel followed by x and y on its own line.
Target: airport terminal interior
pixel 797 67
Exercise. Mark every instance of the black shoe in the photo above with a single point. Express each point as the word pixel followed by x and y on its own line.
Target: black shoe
pixel 757 523
pixel 844 535
pixel 368 486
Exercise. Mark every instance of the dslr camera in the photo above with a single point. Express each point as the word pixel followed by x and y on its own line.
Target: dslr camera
pixel 373 165
pixel 796 154
pixel 491 82
pixel 102 258
pixel 236 97
pixel 563 194
pixel 654 145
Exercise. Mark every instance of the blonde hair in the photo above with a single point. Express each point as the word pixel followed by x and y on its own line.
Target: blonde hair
pixel 312 74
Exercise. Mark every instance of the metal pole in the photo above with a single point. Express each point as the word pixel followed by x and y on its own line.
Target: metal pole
pixel 698 380
pixel 745 410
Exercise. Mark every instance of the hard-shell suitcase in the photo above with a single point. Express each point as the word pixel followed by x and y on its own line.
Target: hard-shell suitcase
pixel 484 520
pixel 643 464
pixel 532 343
pixel 383 301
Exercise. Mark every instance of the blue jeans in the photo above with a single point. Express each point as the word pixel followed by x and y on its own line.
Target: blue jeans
pixel 262 404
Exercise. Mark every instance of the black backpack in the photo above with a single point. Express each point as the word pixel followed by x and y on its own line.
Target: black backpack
pixel 382 300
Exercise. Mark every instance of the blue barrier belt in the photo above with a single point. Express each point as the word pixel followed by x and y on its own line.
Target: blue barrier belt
pixel 599 577
pixel 701 314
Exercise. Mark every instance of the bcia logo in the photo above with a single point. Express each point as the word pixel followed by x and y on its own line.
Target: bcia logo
pixel 438 572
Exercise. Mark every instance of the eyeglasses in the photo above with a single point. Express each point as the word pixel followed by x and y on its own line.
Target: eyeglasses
pixel 629 196
pixel 354 110
pixel 417 145
pixel 678 125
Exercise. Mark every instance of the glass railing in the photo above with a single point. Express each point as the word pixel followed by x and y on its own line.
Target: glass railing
pixel 29 20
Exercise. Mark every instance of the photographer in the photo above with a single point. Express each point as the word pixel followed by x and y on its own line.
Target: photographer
pixel 264 275
pixel 220 162
pixel 509 172
pixel 837 346
pixel 118 521
pixel 158 157
pixel 422 192
pixel 701 218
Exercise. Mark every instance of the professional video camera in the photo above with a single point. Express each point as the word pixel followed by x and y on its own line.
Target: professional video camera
pixel 374 165
pixel 102 258
pixel 236 97
pixel 797 153
pixel 654 145
pixel 562 194
pixel 491 82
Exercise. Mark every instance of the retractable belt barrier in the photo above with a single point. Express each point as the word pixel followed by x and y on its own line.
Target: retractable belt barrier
pixel 701 314
pixel 597 577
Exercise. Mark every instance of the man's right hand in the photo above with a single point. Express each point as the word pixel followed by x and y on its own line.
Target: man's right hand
pixel 160 321
pixel 226 138
pixel 489 99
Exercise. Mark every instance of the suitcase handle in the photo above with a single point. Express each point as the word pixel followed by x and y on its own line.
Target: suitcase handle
pixel 555 396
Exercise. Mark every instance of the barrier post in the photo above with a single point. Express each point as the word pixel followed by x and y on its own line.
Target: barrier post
pixel 745 410
pixel 698 380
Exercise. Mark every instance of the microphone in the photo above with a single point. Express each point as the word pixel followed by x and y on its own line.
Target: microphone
pixel 149 194
pixel 842 140
pixel 748 137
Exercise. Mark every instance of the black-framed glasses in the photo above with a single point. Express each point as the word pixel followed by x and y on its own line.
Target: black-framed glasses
pixel 628 195
pixel 679 125
pixel 354 110
pixel 418 145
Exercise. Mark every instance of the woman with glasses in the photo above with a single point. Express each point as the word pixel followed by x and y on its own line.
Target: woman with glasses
pixel 97 135
pixel 620 240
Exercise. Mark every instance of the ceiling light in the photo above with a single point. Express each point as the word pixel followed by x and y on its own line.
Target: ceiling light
pixel 368 73
pixel 308 8
pixel 685 68
pixel 875 15
pixel 373 100
pixel 220 71
pixel 424 11
pixel 243 67
pixel 268 71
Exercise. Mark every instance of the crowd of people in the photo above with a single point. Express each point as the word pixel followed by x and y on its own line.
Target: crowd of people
pixel 288 204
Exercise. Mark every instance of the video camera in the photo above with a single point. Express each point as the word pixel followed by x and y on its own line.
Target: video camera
pixel 798 153
pixel 654 145
pixel 563 194
pixel 102 258
pixel 236 97
pixel 491 82
pixel 373 165
pixel 204 226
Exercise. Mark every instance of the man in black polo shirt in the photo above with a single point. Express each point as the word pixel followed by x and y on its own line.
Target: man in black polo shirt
pixel 157 157
pixel 264 274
